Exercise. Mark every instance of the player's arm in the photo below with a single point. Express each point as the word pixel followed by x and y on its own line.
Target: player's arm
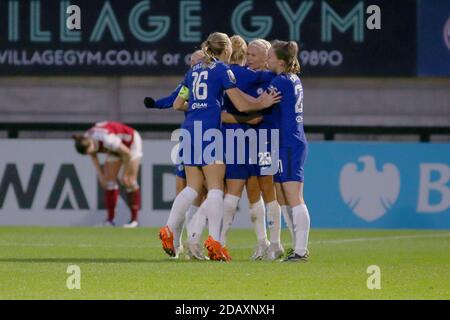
pixel 252 119
pixel 162 103
pixel 98 169
pixel 245 103
pixel 180 102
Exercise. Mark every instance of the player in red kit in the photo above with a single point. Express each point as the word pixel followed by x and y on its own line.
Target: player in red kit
pixel 123 146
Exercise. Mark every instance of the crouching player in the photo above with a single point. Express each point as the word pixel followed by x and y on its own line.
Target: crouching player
pixel 123 146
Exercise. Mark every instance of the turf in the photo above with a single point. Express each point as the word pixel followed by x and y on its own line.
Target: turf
pixel 129 264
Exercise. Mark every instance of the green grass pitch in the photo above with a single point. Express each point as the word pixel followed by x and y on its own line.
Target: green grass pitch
pixel 129 264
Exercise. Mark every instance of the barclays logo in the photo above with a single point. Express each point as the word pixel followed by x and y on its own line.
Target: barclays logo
pixel 369 193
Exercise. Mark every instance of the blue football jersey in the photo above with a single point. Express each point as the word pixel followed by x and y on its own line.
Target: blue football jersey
pixel 258 88
pixel 246 79
pixel 288 113
pixel 207 85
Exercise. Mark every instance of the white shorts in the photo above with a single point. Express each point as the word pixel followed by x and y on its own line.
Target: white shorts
pixel 135 149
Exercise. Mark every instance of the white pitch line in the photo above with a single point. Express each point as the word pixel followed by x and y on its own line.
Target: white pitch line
pixel 339 241
pixel 332 241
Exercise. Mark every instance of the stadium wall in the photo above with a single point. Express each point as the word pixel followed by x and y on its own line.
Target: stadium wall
pixel 348 185
pixel 328 101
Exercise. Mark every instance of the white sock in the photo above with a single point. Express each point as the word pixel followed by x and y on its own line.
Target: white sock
pixel 197 226
pixel 274 221
pixel 258 217
pixel 287 215
pixel 188 218
pixel 213 207
pixel 177 214
pixel 230 203
pixel 301 228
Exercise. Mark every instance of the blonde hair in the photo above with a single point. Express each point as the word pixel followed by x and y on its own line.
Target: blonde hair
pixel 288 52
pixel 261 43
pixel 214 46
pixel 239 47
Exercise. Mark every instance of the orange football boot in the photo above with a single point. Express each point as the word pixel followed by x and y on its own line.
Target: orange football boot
pixel 215 251
pixel 166 236
pixel 226 254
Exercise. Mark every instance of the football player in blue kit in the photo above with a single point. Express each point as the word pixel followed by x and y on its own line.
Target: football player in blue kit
pixel 206 83
pixel 180 182
pixel 288 116
pixel 253 81
pixel 261 182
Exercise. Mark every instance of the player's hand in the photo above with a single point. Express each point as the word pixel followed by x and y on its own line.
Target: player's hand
pixel 255 119
pixel 270 98
pixel 149 102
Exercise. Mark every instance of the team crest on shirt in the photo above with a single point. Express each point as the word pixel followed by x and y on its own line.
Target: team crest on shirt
pixel 272 88
pixel 231 76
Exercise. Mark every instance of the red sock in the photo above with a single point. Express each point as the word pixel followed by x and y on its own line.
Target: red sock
pixel 134 202
pixel 111 197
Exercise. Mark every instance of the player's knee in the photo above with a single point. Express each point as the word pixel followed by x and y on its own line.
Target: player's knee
pixel 111 185
pixel 132 185
pixel 129 183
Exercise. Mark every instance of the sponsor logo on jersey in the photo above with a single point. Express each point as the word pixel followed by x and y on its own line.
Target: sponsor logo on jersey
pixel 197 105
pixel 231 76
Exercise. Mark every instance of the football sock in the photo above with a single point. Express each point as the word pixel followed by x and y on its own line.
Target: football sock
pixel 274 221
pixel 134 202
pixel 188 219
pixel 258 218
pixel 213 207
pixel 111 197
pixel 198 224
pixel 230 204
pixel 177 214
pixel 287 215
pixel 301 228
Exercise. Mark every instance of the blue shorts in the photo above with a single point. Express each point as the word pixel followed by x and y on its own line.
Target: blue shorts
pixel 290 163
pixel 197 152
pixel 179 171
pixel 265 154
pixel 236 168
pixel 239 171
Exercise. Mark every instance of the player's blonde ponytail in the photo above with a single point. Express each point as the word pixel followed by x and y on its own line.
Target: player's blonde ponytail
pixel 239 46
pixel 213 47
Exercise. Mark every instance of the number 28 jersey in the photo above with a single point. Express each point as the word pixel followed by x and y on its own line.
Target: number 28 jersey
pixel 207 85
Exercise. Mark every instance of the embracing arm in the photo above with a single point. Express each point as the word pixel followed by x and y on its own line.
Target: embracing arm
pixel 244 102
